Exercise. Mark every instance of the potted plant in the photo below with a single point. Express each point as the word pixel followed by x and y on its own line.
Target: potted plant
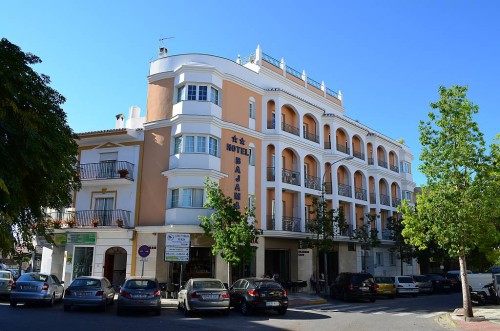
pixel 71 222
pixel 123 173
pixel 119 222
pixel 95 222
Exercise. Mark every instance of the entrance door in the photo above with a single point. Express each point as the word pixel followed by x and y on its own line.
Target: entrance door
pixel 115 265
pixel 278 261
pixel 83 261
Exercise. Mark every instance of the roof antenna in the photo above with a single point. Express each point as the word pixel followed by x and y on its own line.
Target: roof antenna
pixel 163 49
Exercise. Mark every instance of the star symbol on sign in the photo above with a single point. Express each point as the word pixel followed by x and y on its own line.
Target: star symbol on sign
pixel 235 139
pixel 242 141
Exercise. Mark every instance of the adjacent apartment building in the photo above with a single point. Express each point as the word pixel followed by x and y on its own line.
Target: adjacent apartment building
pixel 269 135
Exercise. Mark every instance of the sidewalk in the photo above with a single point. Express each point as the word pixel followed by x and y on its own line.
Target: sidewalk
pixel 485 318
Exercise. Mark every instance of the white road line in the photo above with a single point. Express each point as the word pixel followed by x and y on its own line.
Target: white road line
pixel 371 309
pixel 403 314
pixel 432 314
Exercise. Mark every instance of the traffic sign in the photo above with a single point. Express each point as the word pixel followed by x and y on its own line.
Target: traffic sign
pixel 144 251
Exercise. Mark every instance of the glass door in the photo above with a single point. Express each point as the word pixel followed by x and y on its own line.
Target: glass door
pixel 103 210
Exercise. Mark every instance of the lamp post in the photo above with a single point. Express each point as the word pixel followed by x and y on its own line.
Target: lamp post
pixel 323 212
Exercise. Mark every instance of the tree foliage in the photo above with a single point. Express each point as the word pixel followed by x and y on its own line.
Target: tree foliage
pixel 405 252
pixel 367 234
pixel 37 149
pixel 458 207
pixel 324 226
pixel 233 232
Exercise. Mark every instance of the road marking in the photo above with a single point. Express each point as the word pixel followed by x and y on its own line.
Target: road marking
pixel 432 314
pixel 378 310
pixel 403 314
pixel 371 309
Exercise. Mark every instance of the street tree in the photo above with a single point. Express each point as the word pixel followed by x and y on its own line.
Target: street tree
pixel 232 231
pixel 37 150
pixel 405 252
pixel 367 235
pixel 458 206
pixel 324 225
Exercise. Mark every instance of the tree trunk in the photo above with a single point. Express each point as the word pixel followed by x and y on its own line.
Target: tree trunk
pixel 228 274
pixel 467 304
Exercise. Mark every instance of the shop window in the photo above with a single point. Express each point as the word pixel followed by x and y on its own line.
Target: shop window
pixel 83 260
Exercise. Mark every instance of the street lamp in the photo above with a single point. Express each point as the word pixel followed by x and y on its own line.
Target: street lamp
pixel 323 212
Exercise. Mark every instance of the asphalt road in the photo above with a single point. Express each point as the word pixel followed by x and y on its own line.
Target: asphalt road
pixel 405 313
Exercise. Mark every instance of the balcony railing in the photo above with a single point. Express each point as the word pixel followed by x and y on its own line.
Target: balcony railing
pixel 345 190
pixel 373 199
pixel 343 149
pixel 291 224
pixel 394 168
pixel 271 124
pixel 107 170
pixel 396 201
pixel 387 234
pixel 271 60
pixel 312 182
pixel 328 145
pixel 290 177
pixel 271 174
pixel 360 193
pixel 385 200
pixel 346 231
pixel 311 136
pixel 293 72
pixel 382 163
pixel 86 218
pixel 328 187
pixel 270 222
pixel 289 128
pixel 358 155
pixel 370 161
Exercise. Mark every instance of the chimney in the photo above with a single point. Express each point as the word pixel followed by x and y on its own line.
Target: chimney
pixel 162 52
pixel 119 121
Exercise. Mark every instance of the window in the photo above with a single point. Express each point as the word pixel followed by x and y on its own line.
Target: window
pixel 191 92
pixel 405 167
pixel 392 259
pixel 251 159
pixel 178 145
pixel 214 95
pixel 212 146
pixel 187 197
pixel 189 144
pixel 181 93
pixel 201 145
pixel 251 109
pixel 202 93
pixel 380 258
pixel 407 195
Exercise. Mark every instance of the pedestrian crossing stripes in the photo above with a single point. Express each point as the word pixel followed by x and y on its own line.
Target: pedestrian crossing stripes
pixel 377 310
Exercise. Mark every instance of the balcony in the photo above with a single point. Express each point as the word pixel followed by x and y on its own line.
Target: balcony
pixel 360 194
pixel 345 190
pixel 370 161
pixel 396 202
pixel 343 149
pixel 385 200
pixel 271 174
pixel 107 170
pixel 290 177
pixel 291 224
pixel 394 168
pixel 311 136
pixel 346 231
pixel 387 234
pixel 373 199
pixel 328 187
pixel 271 124
pixel 358 155
pixel 328 145
pixel 312 182
pixel 290 129
pixel 382 163
pixel 86 218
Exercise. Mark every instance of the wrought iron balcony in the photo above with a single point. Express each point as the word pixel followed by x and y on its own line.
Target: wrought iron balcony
pixel 290 177
pixel 396 201
pixel 387 234
pixel 359 155
pixel 290 128
pixel 328 145
pixel 311 136
pixel 270 222
pixel 328 187
pixel 382 163
pixel 346 230
pixel 360 193
pixel 271 124
pixel 394 168
pixel 87 218
pixel 385 200
pixel 271 174
pixel 312 182
pixel 370 161
pixel 343 149
pixel 291 224
pixel 106 170
pixel 345 190
pixel 373 199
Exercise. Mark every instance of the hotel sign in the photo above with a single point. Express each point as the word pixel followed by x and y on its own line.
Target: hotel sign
pixel 233 147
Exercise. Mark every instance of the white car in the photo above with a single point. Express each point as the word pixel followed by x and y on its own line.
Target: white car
pixel 405 285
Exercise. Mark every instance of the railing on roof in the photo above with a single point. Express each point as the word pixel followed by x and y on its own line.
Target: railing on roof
pixel 271 60
pixel 293 72
pixel 314 83
pixel 249 58
pixel 332 93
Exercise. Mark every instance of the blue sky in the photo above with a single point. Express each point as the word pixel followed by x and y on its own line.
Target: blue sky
pixel 387 57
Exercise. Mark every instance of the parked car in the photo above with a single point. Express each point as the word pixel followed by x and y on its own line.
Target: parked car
pixel 455 279
pixel 439 283
pixel 349 285
pixel 37 287
pixel 139 293
pixel 251 294
pixel 6 282
pixel 384 286
pixel 15 273
pixel 89 291
pixel 424 283
pixel 405 285
pixel 200 294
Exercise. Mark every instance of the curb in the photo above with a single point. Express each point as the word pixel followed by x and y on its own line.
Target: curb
pixel 446 320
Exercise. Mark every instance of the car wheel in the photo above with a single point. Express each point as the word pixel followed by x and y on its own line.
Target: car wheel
pixel 158 312
pixel 67 308
pixel 282 311
pixel 13 303
pixel 226 312
pixel 103 307
pixel 345 297
pixel 187 313
pixel 119 311
pixel 372 299
pixel 245 308
pixel 179 307
pixel 52 300
pixel 391 297
pixel 414 295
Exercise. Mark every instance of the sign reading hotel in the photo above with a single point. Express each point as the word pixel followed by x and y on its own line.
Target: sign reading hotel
pixel 235 146
pixel 177 247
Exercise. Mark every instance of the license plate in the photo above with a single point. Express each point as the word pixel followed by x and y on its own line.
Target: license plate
pixel 29 287
pixel 83 294
pixel 211 297
pixel 139 296
pixel 272 303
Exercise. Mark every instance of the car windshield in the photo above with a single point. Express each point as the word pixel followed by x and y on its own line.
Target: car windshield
pixel 207 284
pixel 5 275
pixel 405 280
pixel 358 279
pixel 421 278
pixel 436 277
pixel 267 284
pixel 33 277
pixel 86 282
pixel 140 284
pixel 386 280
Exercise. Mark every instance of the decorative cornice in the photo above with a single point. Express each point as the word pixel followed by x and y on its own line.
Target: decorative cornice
pixel 194 172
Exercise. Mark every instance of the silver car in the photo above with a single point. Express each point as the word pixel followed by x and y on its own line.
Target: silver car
pixel 424 284
pixel 36 287
pixel 200 294
pixel 88 291
pixel 6 282
pixel 139 293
